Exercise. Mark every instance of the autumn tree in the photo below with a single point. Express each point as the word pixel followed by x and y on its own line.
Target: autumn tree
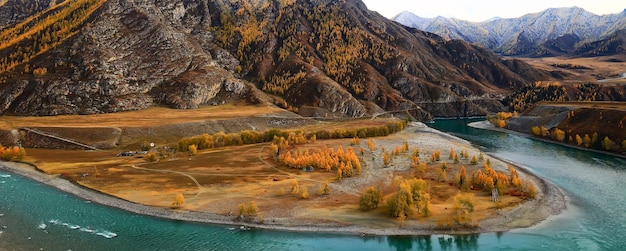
pixel 325 190
pixel 579 140
pixel 463 180
pixel 594 138
pixel 295 187
pixel 442 175
pixel 474 161
pixel 12 153
pixel 530 191
pixel 544 131
pixel 416 152
pixel 371 145
pixel 411 196
pixel 536 130
pixel 242 209
pixel 386 159
pixel 151 157
pixel 464 204
pixel 252 209
pixel 274 149
pixel 355 141
pixel 501 123
pixel 587 141
pixel 370 199
pixel 193 150
pixel 608 144
pixel 396 151
pixel 514 179
pixel 305 193
pixel 420 168
pixel 405 147
pixel 179 200
pixel 559 134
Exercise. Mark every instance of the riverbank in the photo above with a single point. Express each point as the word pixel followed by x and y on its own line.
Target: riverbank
pixel 550 199
pixel 488 126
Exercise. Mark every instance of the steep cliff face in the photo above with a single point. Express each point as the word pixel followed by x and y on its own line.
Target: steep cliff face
pixel 118 55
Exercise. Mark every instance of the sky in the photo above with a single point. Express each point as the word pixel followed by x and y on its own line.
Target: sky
pixel 481 10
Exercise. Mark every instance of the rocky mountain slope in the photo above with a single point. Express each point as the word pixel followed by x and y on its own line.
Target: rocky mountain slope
pixel 555 31
pixel 15 11
pixel 316 57
pixel 612 45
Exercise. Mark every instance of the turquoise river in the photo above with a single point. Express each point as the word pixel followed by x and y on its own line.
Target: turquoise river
pixel 38 217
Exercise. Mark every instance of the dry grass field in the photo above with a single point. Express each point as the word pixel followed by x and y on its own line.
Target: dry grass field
pixel 598 68
pixel 219 180
pixel 155 116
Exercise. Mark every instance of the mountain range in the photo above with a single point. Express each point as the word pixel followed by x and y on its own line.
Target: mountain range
pixel 553 32
pixel 313 57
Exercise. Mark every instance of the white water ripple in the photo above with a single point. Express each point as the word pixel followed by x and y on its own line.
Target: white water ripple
pixel 100 232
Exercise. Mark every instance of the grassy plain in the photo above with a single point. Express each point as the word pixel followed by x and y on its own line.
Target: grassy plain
pixel 595 68
pixel 219 180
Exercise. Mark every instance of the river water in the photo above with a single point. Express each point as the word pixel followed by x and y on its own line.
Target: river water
pixel 35 216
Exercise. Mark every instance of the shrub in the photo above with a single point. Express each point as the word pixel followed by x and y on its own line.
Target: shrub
pixel 305 193
pixel 179 200
pixel 151 157
pixel 370 199
pixel 252 209
pixel 295 188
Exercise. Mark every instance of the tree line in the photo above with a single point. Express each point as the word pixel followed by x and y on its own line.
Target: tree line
pixel 221 139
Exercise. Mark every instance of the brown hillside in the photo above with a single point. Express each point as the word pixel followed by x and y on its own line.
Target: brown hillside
pixel 598 121
pixel 108 56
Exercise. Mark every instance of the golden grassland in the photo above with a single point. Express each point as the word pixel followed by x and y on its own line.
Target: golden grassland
pixel 221 179
pixel 154 116
pixel 599 68
pixel 218 180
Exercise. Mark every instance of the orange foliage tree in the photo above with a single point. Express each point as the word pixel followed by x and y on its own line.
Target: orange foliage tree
pixel 12 153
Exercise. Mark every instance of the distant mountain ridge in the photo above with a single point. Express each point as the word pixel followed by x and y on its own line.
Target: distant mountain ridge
pixel 555 31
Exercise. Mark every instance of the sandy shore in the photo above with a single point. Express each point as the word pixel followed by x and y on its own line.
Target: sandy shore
pixel 550 200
